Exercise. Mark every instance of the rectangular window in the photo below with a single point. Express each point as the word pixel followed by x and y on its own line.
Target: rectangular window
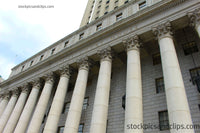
pixel 52 51
pixel 99 27
pixel 126 2
pixel 119 17
pixel 66 43
pixel 85 103
pixel 190 48
pixel 80 128
pixel 108 1
pixel 61 129
pixel 116 1
pixel 194 73
pixel 160 86
pixel 22 68
pixel 156 59
pixel 41 57
pixel 31 63
pixel 81 36
pixel 163 120
pixel 142 4
pixel 66 107
pixel 107 7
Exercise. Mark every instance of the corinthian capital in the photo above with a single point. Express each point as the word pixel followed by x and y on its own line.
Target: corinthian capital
pixel 84 63
pixel 163 30
pixel 36 83
pixel 194 17
pixel 65 71
pixel 132 43
pixel 15 92
pixel 105 54
pixel 49 77
pixel 25 88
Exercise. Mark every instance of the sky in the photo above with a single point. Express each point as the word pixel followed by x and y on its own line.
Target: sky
pixel 26 31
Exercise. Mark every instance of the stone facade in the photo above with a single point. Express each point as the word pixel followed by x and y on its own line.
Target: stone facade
pixel 84 78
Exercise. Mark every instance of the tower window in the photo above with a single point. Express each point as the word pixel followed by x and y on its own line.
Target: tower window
pixel 160 86
pixel 100 1
pixel 80 128
pixel 116 7
pixel 142 4
pixel 61 129
pixel 107 7
pixel 99 27
pixel 108 1
pixel 99 6
pixel 156 59
pixel 119 17
pixel 22 68
pixel 116 1
pixel 126 2
pixel 41 57
pixel 195 76
pixel 81 36
pixel 105 13
pixel 163 120
pixel 52 51
pixel 190 48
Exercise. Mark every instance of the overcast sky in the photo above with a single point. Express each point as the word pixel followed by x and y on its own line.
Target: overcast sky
pixel 24 32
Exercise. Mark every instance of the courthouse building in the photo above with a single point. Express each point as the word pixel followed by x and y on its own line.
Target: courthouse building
pixel 131 62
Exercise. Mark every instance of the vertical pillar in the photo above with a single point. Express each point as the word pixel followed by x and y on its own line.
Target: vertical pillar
pixel 28 109
pixel 9 108
pixel 74 114
pixel 12 122
pixel 134 104
pixel 40 109
pixel 100 109
pixel 58 102
pixel 194 17
pixel 4 103
pixel 177 103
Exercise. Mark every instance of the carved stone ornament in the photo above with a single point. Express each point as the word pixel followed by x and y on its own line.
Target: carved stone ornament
pixel 49 77
pixel 65 70
pixel 25 88
pixel 132 43
pixel 84 63
pixel 36 83
pixel 163 30
pixel 15 92
pixel 194 17
pixel 105 54
pixel 6 96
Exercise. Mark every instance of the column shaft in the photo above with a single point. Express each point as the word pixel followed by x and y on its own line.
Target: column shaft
pixel 38 115
pixel 27 111
pixel 6 114
pixel 134 107
pixel 100 109
pixel 12 122
pixel 178 109
pixel 3 104
pixel 57 105
pixel 74 114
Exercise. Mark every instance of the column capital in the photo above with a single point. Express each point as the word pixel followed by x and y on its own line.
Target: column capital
pixel 163 30
pixel 36 83
pixel 49 77
pixel 25 88
pixel 15 92
pixel 105 54
pixel 65 71
pixel 132 43
pixel 6 96
pixel 84 63
pixel 194 17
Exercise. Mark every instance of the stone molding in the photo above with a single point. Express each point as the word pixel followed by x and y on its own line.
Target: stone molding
pixel 105 54
pixel 194 17
pixel 132 43
pixel 163 30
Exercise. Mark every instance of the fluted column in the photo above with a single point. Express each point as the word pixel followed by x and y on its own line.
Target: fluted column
pixel 134 104
pixel 100 109
pixel 4 103
pixel 28 109
pixel 74 114
pixel 14 117
pixel 58 102
pixel 40 109
pixel 194 17
pixel 9 108
pixel 177 103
